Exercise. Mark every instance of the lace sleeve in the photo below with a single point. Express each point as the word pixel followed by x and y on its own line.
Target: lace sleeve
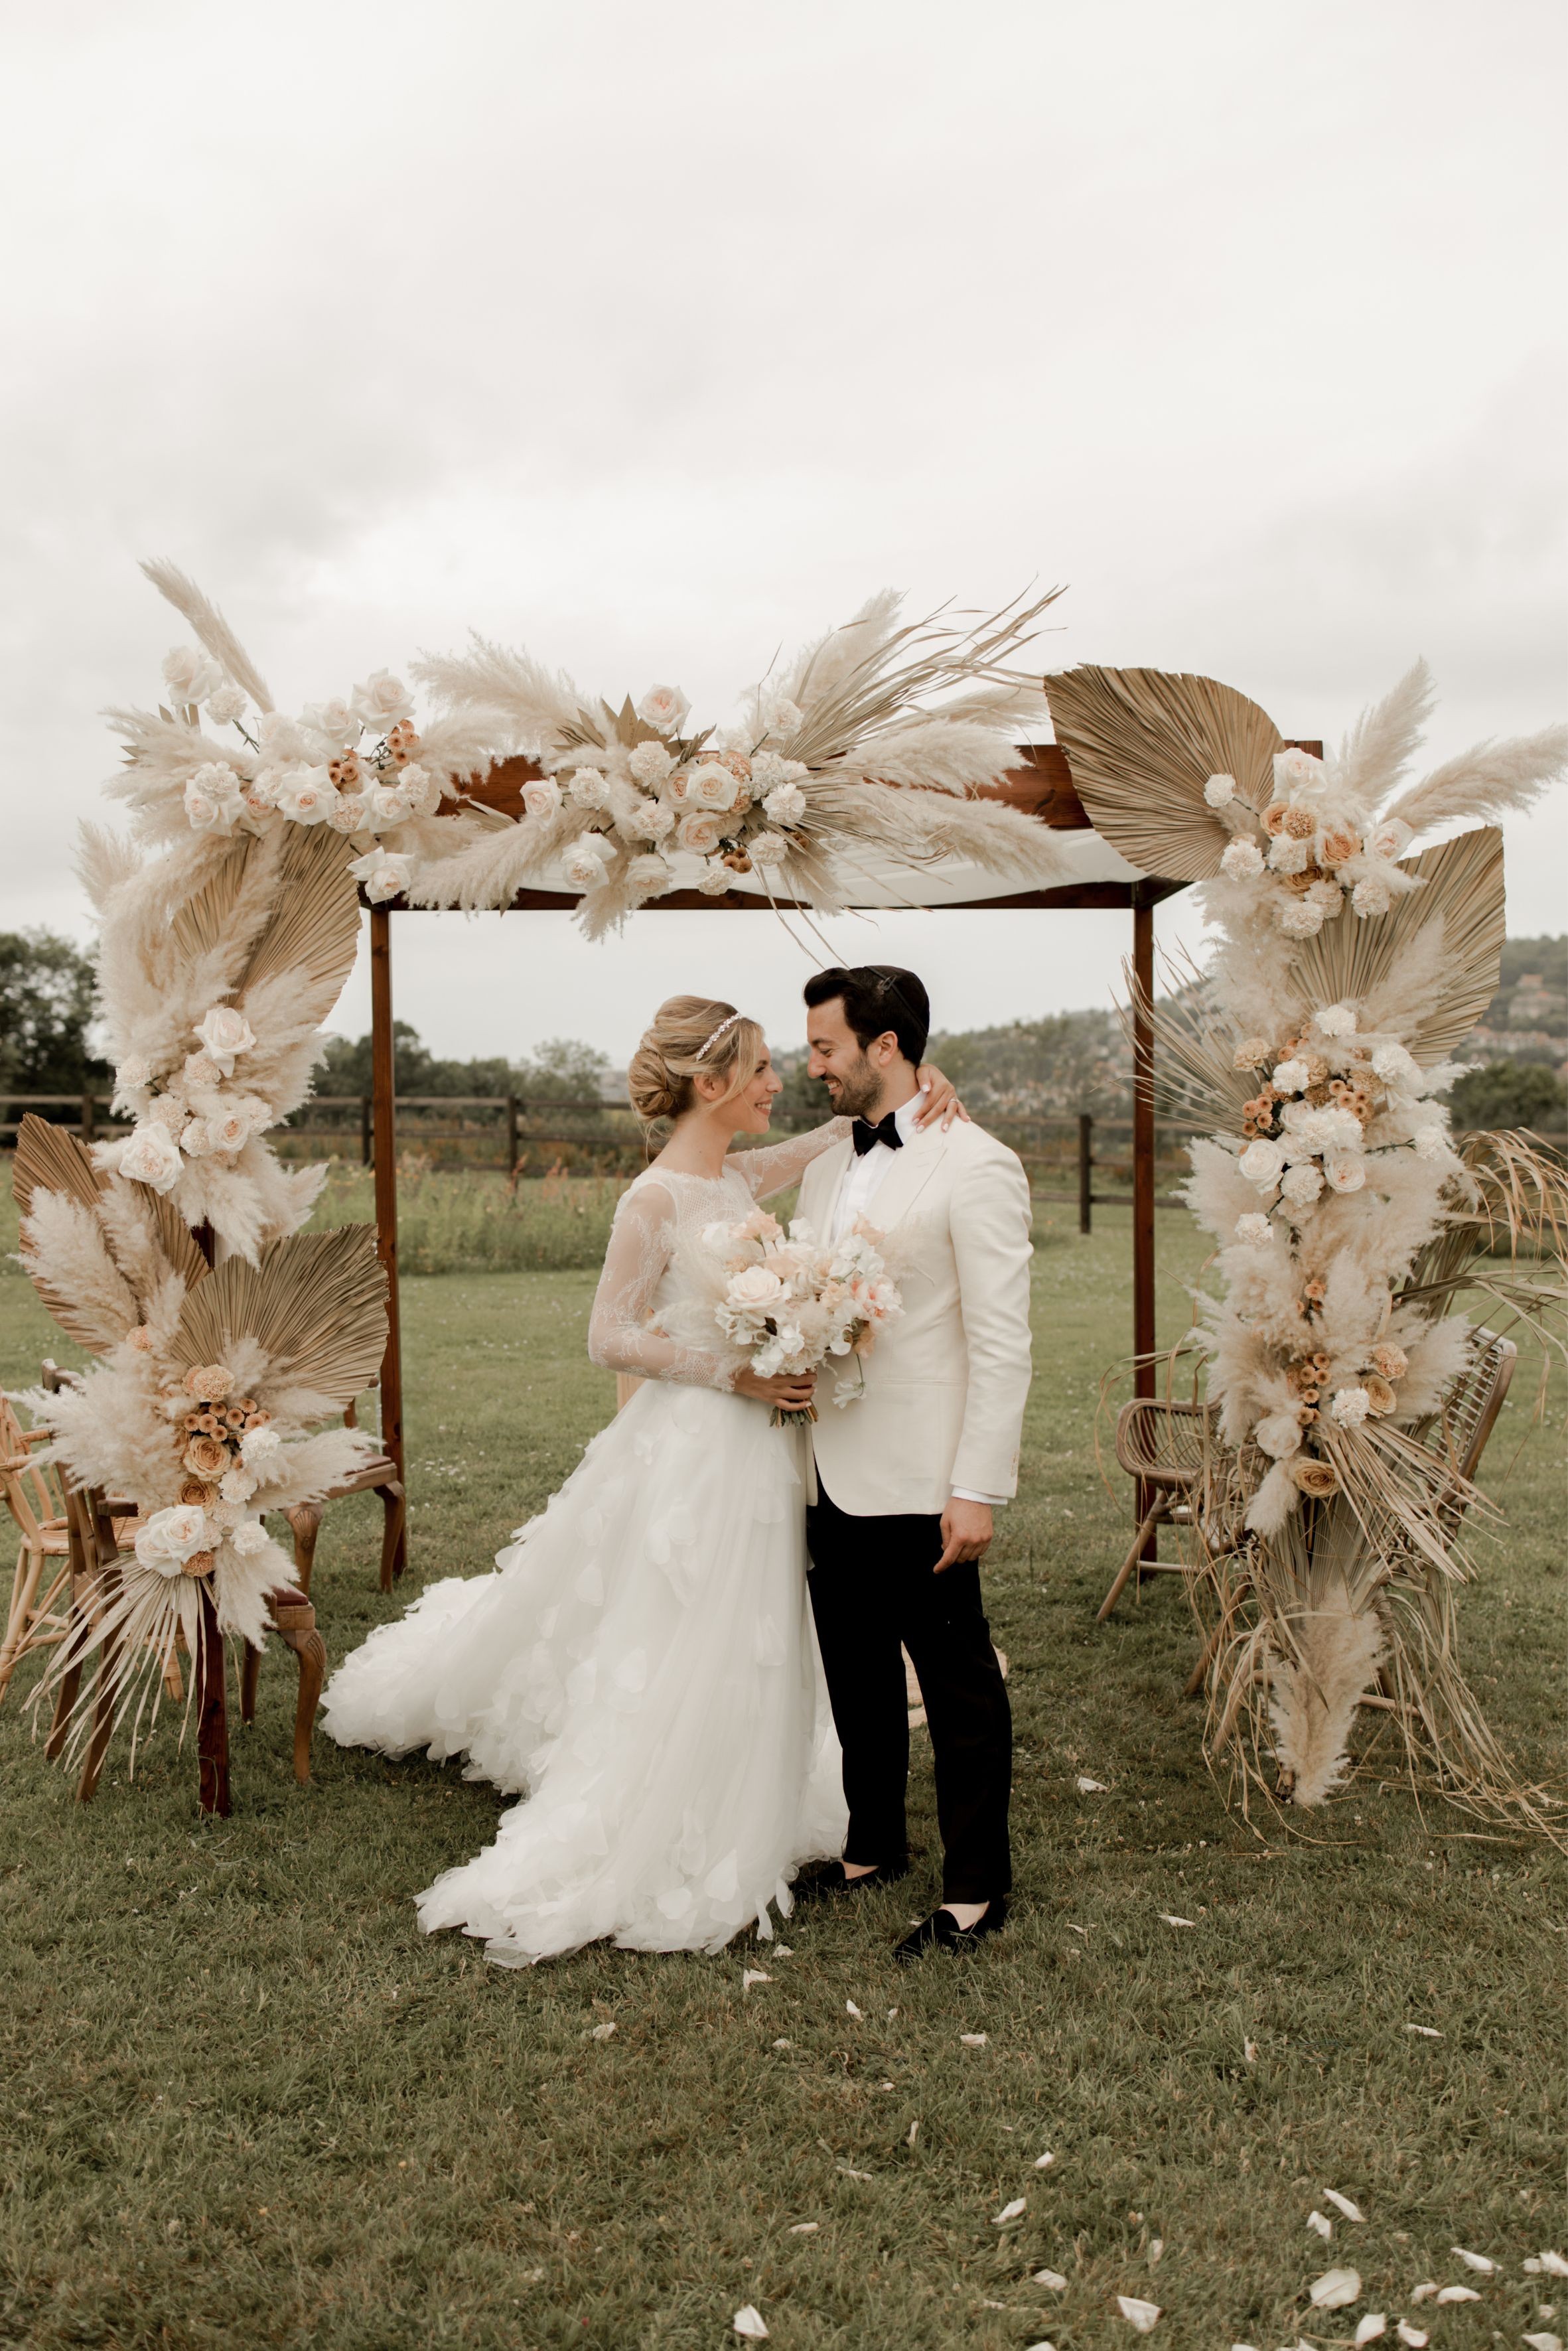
pixel 621 1333
pixel 779 1165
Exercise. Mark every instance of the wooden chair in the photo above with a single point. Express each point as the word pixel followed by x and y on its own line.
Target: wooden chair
pixel 1164 1447
pixel 35 1618
pixel 1457 1434
pixel 379 1477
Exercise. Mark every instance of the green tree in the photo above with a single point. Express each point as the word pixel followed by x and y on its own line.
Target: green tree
pixel 1510 1093
pixel 46 1012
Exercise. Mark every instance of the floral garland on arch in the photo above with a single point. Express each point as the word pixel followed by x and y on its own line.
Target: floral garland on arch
pixel 1319 1042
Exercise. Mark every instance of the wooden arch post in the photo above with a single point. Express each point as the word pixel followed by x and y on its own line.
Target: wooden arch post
pixel 1041 786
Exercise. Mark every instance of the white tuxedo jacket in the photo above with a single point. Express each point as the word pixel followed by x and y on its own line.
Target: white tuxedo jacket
pixel 945 1385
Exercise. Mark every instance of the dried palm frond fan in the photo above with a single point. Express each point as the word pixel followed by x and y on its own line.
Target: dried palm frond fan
pixel 1349 1227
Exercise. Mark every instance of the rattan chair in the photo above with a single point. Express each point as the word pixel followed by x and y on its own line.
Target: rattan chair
pixel 1164 1447
pixel 1457 1434
pixel 40 1587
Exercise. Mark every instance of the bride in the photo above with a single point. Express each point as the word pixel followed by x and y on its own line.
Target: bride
pixel 641 1664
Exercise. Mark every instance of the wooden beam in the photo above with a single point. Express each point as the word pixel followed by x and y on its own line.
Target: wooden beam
pixel 1144 1172
pixel 384 1082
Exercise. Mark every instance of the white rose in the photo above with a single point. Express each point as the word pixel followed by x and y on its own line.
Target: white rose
pixel 385 805
pixel 225 704
pixel 541 795
pixel 1350 1407
pixel 785 804
pixel 1301 1183
pixel 232 1126
pixel 334 722
pixel 649 875
pixel 1243 861
pixel 151 1155
pixel 261 1450
pixel 1256 1231
pixel 1295 771
pixel 1372 896
pixel 710 786
pixel 382 701
pixel 190 676
pixel 249 1537
pixel 1300 919
pixel 222 1033
pixel 237 1484
pixel 1291 1077
pixel 1280 1435
pixel 754 1286
pixel 649 763
pixel 663 706
pixel 1335 1021
pixel 176 1534
pixel 1391 840
pixel 781 717
pixel 383 876
pixel 587 865
pixel 1220 790
pixel 768 848
pixel 1346 1171
pixel 700 832
pixel 1260 1164
pixel 304 794
pixel 587 788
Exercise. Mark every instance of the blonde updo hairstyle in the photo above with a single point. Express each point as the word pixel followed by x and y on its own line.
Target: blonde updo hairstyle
pixel 679 1044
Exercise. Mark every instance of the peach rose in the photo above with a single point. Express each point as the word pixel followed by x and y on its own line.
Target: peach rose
pixel 1379 1395
pixel 700 832
pixel 205 1456
pixel 1317 1479
pixel 198 1493
pixel 1274 817
pixel 1339 844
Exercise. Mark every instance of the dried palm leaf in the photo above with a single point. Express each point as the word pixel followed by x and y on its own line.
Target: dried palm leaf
pixel 313 931
pixel 50 1159
pixel 316 1303
pixel 1461 890
pixel 210 627
pixel 1142 744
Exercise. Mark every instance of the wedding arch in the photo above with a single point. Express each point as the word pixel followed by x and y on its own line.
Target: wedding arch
pixel 881 766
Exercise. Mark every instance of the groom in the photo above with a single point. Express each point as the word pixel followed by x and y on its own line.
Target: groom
pixel 906 1480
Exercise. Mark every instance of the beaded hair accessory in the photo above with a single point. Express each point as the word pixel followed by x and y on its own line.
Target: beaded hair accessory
pixel 723 1029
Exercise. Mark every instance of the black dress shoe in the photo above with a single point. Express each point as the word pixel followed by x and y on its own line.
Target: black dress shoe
pixel 831 1877
pixel 941 1932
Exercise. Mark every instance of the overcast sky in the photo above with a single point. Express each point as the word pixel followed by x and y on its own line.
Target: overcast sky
pixel 654 338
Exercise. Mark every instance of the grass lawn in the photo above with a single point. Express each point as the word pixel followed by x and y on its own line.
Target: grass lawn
pixel 246 2103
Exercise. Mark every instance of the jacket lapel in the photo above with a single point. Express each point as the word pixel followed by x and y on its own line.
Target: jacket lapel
pixel 819 1186
pixel 912 1170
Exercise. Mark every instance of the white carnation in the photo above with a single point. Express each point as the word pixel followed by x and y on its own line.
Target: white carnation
pixel 382 701
pixel 1372 896
pixel 716 878
pixel 1326 896
pixel 1432 1143
pixel 1322 1128
pixel 1260 1164
pixel 649 763
pixel 237 1484
pixel 781 717
pixel 420 789
pixel 1280 1435
pixel 1398 1068
pixel 136 1069
pixel 261 1450
pixel 383 876
pixel 1220 790
pixel 541 795
pixel 1301 1183
pixel 658 820
pixel 249 1538
pixel 768 848
pixel 1300 919
pixel 151 1155
pixel 1288 855
pixel 225 704
pixel 1255 1231
pixel 1243 861
pixel 785 804
pixel 223 1033
pixel 663 706
pixel 348 814
pixel 281 737
pixel 588 788
pixel 1335 1021
pixel 1350 1407
pixel 1292 1077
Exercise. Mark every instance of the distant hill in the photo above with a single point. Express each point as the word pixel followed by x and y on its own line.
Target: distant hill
pixel 1527 1019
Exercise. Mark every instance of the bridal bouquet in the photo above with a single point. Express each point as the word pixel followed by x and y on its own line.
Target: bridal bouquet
pixel 790 1302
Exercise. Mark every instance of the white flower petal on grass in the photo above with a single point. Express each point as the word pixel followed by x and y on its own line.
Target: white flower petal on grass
pixel 913 2132
pixel 891 2014
pixel 1156 2247
pixel 1457 2294
pixel 1044 2162
pixel 747 2324
pixel 1474 2261
pixel 1141 2314
pixel 851 2009
pixel 1334 2289
pixel 1012 2211
pixel 1053 2278
pixel 1425 2291
pixel 1428 2032
pixel 1371 2328
pixel 805 2228
pixel 783 2044
pixel 1040 2346
pixel 1342 2204
pixel 1087 1787
pixel 753 1975
pixel 973 2040
pixel 851 2173
pixel 1250 2051
pixel 782 1951
pixel 1322 2224
pixel 1169 1919
pixel 1414 2336
pixel 1544 2341
pixel 1554 2264
pixel 602 2032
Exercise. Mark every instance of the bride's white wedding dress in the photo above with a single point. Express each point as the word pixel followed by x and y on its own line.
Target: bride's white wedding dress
pixel 642 1663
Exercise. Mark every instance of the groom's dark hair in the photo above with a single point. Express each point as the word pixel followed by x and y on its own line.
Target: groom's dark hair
pixel 877 997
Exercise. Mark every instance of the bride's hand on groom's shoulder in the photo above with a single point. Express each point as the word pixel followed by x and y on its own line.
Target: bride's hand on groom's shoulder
pixel 941 1101
pixel 791 1391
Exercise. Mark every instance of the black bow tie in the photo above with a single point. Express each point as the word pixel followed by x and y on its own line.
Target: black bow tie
pixel 866 1137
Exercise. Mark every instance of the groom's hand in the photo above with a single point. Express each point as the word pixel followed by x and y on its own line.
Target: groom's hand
pixel 966 1531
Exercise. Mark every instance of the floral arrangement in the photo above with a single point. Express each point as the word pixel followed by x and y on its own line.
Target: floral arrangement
pixel 790 1303
pixel 1319 1042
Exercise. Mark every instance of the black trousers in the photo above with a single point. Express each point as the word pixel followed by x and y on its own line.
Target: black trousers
pixel 872 1589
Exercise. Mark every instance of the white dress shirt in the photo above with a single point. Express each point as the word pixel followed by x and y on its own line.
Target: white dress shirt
pixel 863 1180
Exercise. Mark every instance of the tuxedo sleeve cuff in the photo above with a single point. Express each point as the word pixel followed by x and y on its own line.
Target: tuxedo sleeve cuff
pixel 967 1494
